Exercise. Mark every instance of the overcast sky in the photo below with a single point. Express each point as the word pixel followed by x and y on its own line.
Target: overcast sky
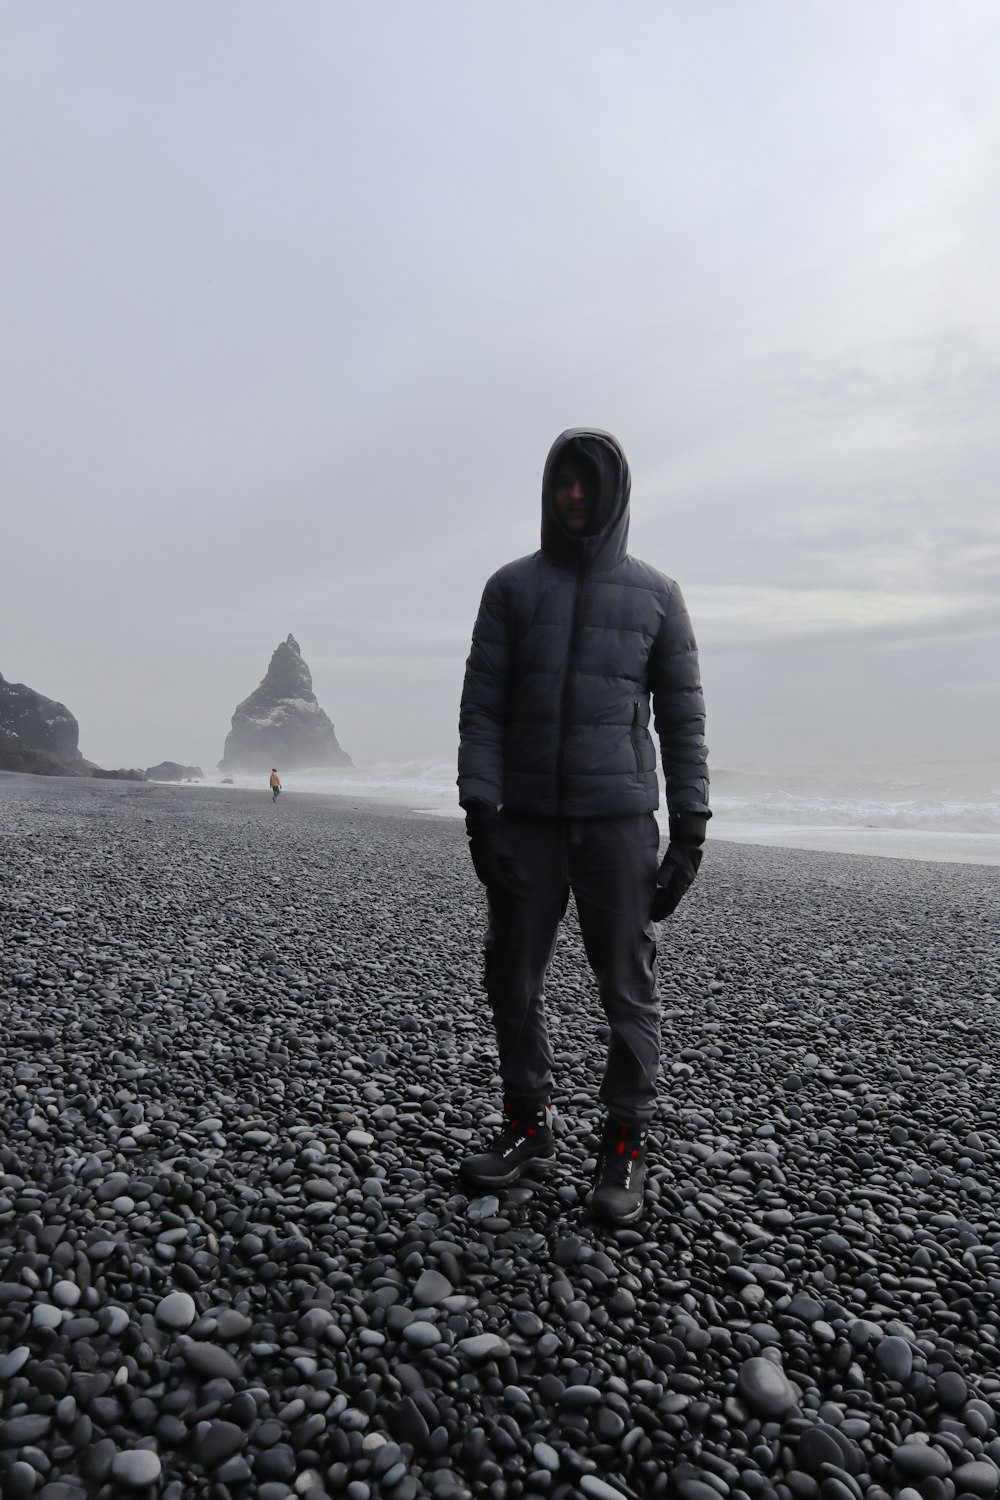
pixel 294 300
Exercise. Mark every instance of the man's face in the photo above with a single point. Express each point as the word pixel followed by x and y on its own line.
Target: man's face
pixel 574 495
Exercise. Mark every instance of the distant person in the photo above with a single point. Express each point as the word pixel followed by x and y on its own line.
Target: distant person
pixel 557 776
pixel 275 784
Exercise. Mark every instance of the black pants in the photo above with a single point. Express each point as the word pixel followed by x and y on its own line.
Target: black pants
pixel 610 865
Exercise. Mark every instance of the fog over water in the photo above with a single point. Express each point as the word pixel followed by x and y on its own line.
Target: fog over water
pixel 936 810
pixel 294 302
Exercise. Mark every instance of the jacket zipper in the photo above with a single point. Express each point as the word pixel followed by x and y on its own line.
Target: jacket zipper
pixel 635 740
pixel 567 691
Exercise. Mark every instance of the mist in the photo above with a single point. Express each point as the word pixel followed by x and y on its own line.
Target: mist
pixel 295 302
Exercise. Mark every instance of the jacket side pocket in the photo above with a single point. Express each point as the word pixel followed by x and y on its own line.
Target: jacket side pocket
pixel 636 743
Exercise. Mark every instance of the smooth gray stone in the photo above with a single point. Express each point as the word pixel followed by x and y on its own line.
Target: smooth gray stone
pixel 546 1457
pixel 210 1361
pixel 387 1456
pixel 576 1397
pixel 836 1489
pixel 696 1489
pixel 483 1346
pixel 764 1386
pixel 136 1468
pixel 353 1420
pixel 952 1390
pixel 322 1190
pixel 918 1461
pixel 597 1489
pixel 18 1432
pixel 20 1481
pixel 979 1478
pixel 421 1335
pixel 431 1288
pixel 222 1440
pixel 484 1208
pixel 14 1361
pixel 177 1310
pixel 409 1424
pixel 894 1357
pixel 233 1325
pixel 116 1320
pixel 314 1322
pixel 863 1332
pixel 235 1470
pixel 62 1489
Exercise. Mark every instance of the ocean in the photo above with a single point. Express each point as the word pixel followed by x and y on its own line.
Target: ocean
pixel 923 809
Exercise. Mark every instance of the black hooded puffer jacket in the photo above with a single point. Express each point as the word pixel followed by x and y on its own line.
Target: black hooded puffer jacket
pixel 569 647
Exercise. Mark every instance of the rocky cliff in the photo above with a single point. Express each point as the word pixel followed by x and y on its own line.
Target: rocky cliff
pixel 281 724
pixel 172 770
pixel 37 734
pixel 40 736
pixel 40 723
pixel 15 755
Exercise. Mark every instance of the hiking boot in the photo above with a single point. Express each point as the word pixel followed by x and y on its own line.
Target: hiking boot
pixel 621 1172
pixel 525 1138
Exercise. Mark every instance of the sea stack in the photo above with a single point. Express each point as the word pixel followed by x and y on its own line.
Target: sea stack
pixel 37 734
pixel 281 724
pixel 39 722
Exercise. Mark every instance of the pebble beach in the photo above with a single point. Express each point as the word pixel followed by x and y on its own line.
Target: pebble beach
pixel 243 1050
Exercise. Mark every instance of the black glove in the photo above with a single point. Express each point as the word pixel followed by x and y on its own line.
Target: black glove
pixel 680 863
pixel 495 863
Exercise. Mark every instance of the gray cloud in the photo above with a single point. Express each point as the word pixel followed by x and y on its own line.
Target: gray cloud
pixel 946 379
pixel 295 305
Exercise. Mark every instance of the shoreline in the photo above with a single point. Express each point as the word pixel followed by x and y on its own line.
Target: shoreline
pixel 883 842
pixel 924 845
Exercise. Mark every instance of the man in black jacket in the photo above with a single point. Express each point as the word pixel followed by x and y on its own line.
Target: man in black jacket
pixel 557 776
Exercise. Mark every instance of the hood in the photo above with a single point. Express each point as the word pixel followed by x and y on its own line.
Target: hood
pixel 607 541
